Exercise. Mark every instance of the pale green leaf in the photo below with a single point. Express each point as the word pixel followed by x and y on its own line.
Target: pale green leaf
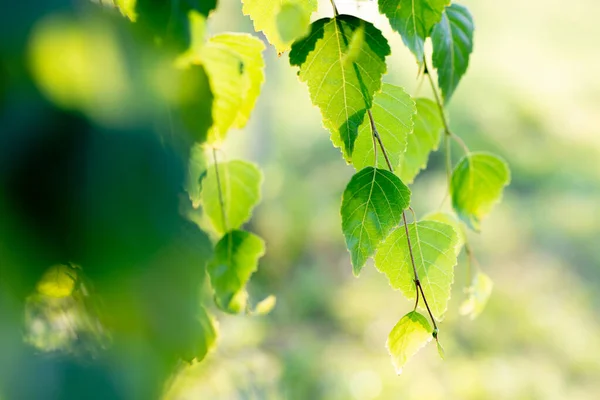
pixel 343 91
pixel 282 21
pixel 393 111
pixel 452 40
pixel 424 139
pixel 433 247
pixel 57 281
pixel 413 20
pixel 235 66
pixel 451 220
pixel 440 349
pixel 410 334
pixel 205 334
pixel 240 183
pixel 477 184
pixel 235 260
pixel 372 206
pixel 265 306
pixel 477 295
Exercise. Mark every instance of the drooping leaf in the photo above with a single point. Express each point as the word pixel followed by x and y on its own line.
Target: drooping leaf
pixel 240 183
pixel 235 260
pixel 234 64
pixel 205 333
pixel 440 349
pixel 424 139
pixel 433 247
pixel 393 111
pixel 477 183
pixel 57 281
pixel 342 90
pixel 281 21
pixel 413 20
pixel 451 220
pixel 452 40
pixel 477 295
pixel 195 101
pixel 372 206
pixel 410 334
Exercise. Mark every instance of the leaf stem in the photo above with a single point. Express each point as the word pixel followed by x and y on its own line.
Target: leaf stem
pixel 221 202
pixel 335 10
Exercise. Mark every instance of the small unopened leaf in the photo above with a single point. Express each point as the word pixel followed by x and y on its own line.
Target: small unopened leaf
pixel 413 20
pixel 433 247
pixel 440 349
pixel 265 306
pixel 424 139
pixel 393 111
pixel 372 206
pixel 235 260
pixel 477 295
pixel 452 40
pixel 410 334
pixel 57 281
pixel 343 91
pixel 477 183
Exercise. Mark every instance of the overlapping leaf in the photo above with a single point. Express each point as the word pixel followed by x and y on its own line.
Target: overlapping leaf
pixel 195 102
pixel 372 206
pixel 281 21
pixel 451 220
pixel 205 334
pixel 434 250
pixel 240 183
pixel 424 139
pixel 477 295
pixel 413 20
pixel 235 260
pixel 477 183
pixel 393 111
pixel 342 74
pixel 452 40
pixel 235 66
pixel 409 335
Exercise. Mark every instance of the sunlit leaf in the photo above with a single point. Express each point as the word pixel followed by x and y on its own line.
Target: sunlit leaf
pixel 413 20
pixel 424 139
pixel 477 184
pixel 410 334
pixel 451 220
pixel 452 40
pixel 235 260
pixel 440 349
pixel 477 295
pixel 433 247
pixel 343 91
pixel 57 281
pixel 393 111
pixel 240 188
pixel 265 306
pixel 372 206
pixel 281 21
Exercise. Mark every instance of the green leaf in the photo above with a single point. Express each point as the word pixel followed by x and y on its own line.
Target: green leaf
pixel 452 40
pixel 451 220
pixel 477 295
pixel 235 260
pixel 341 80
pixel 372 206
pixel 195 101
pixel 205 333
pixel 434 250
pixel 196 172
pixel 393 111
pixel 281 21
pixel 424 139
pixel 240 183
pixel 477 183
pixel 409 335
pixel 440 349
pixel 235 67
pixel 265 306
pixel 58 281
pixel 413 20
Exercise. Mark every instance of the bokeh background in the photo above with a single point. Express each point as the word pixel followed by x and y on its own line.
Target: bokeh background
pixel 532 95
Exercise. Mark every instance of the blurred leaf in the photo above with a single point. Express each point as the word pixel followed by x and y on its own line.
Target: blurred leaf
pixel 206 336
pixel 440 349
pixel 235 66
pixel 477 295
pixel 265 306
pixel 236 258
pixel 452 40
pixel 393 111
pixel 410 334
pixel 425 138
pixel 451 220
pixel 240 188
pixel 434 250
pixel 413 20
pixel 57 281
pixel 372 206
pixel 477 183
pixel 195 102
pixel 280 21
pixel 127 8
pixel 343 93
pixel 196 172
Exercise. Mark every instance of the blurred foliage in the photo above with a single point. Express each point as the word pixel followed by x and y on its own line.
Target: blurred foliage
pixel 530 94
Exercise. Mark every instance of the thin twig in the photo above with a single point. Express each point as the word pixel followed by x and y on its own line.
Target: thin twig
pixel 335 10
